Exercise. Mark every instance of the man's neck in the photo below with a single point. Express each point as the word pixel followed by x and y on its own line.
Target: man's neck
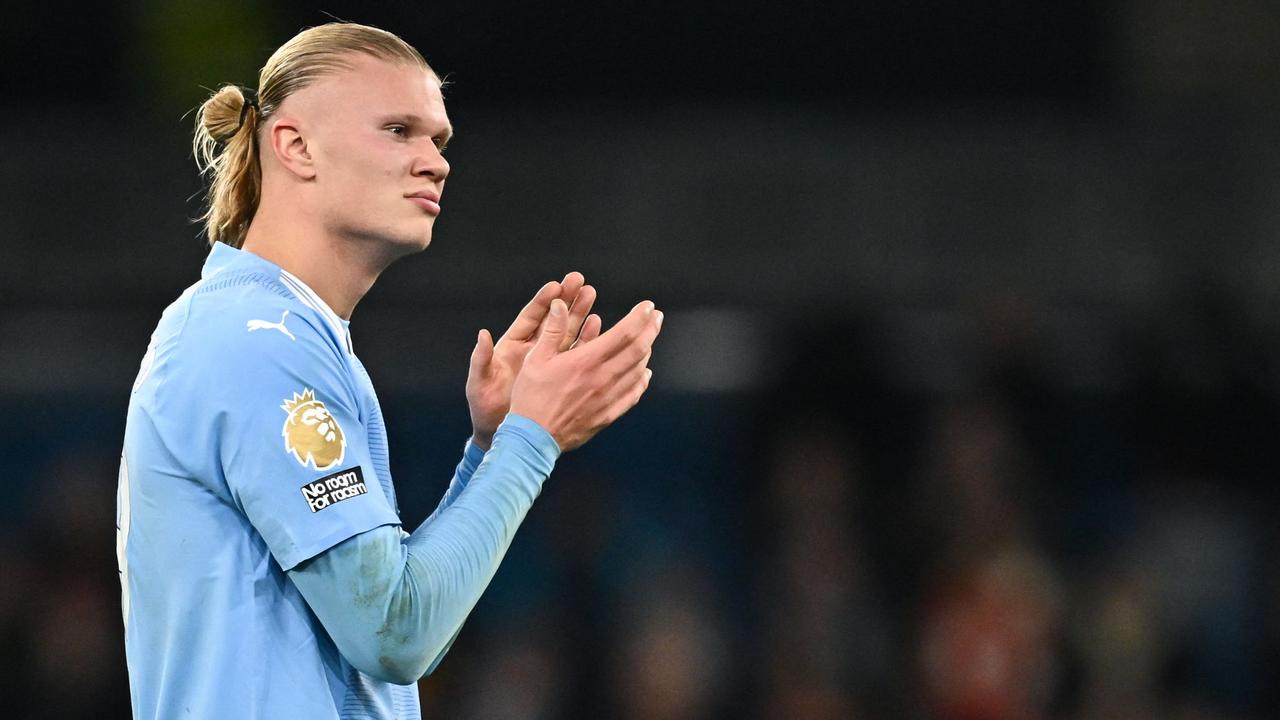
pixel 334 268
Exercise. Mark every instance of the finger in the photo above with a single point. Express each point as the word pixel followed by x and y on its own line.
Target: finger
pixel 632 334
pixel 620 370
pixel 635 384
pixel 624 364
pixel 578 314
pixel 590 329
pixel 531 316
pixel 637 353
pixel 553 331
pixel 482 354
pixel 623 332
pixel 570 286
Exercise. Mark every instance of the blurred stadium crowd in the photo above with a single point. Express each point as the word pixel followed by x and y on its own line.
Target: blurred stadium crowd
pixel 837 546
pixel 966 403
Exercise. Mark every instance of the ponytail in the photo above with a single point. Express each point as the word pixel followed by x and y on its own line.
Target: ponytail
pixel 226 150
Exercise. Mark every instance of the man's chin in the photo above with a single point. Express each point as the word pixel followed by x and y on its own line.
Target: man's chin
pixel 411 243
pixel 422 238
pixel 391 243
pixel 423 242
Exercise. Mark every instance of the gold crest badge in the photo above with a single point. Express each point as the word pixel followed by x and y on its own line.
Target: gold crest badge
pixel 310 433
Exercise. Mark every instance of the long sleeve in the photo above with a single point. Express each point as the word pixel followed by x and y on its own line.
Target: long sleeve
pixel 472 456
pixel 394 603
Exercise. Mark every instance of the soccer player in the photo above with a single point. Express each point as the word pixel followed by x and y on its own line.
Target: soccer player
pixel 263 567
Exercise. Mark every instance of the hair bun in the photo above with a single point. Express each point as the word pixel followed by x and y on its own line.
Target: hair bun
pixel 221 116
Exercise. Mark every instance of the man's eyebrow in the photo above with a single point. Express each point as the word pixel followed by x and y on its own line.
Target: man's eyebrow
pixel 412 119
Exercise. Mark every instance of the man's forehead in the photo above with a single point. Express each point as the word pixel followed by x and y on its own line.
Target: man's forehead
pixel 378 87
pixel 392 80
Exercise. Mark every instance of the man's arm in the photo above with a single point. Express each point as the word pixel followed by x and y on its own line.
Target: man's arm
pixel 394 604
pixel 393 608
pixel 472 456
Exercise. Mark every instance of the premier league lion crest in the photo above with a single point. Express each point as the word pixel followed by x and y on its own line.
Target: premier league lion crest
pixel 310 433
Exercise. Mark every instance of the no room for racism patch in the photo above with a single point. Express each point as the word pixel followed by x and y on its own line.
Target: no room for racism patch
pixel 334 488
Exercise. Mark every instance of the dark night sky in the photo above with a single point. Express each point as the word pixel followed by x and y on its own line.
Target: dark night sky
pixel 892 53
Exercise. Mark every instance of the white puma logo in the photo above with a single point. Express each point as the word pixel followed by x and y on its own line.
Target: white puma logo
pixel 263 325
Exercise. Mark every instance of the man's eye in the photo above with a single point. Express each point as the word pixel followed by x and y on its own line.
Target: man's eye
pixel 399 130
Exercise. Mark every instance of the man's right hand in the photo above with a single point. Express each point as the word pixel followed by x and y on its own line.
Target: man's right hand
pixel 575 393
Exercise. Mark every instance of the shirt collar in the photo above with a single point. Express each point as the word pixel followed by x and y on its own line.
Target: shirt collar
pixel 223 256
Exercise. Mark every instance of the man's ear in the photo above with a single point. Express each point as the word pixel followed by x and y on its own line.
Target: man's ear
pixel 289 147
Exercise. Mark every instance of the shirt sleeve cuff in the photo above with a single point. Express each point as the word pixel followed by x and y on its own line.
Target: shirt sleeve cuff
pixel 534 435
pixel 472 456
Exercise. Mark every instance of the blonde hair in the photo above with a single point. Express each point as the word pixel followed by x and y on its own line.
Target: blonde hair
pixel 226 135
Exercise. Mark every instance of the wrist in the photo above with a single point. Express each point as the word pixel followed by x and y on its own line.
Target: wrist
pixel 482 440
pixel 531 432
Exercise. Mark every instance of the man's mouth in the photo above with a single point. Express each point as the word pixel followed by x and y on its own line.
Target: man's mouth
pixel 428 200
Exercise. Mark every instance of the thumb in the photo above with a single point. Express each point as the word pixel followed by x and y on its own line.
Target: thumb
pixel 482 355
pixel 553 330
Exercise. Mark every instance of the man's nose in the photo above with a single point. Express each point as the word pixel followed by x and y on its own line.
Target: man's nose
pixel 431 163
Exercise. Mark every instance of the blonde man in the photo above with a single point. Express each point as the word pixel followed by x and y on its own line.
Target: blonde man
pixel 263 567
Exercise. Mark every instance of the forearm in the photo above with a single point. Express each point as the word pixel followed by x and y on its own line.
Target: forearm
pixel 472 456
pixel 451 560
pixel 393 607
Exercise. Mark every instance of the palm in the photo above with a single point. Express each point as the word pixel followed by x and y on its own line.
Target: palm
pixel 489 395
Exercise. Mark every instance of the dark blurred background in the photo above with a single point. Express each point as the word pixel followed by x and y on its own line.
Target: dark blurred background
pixel 965 403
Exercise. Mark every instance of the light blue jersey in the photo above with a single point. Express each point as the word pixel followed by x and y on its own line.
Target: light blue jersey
pixel 255 443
